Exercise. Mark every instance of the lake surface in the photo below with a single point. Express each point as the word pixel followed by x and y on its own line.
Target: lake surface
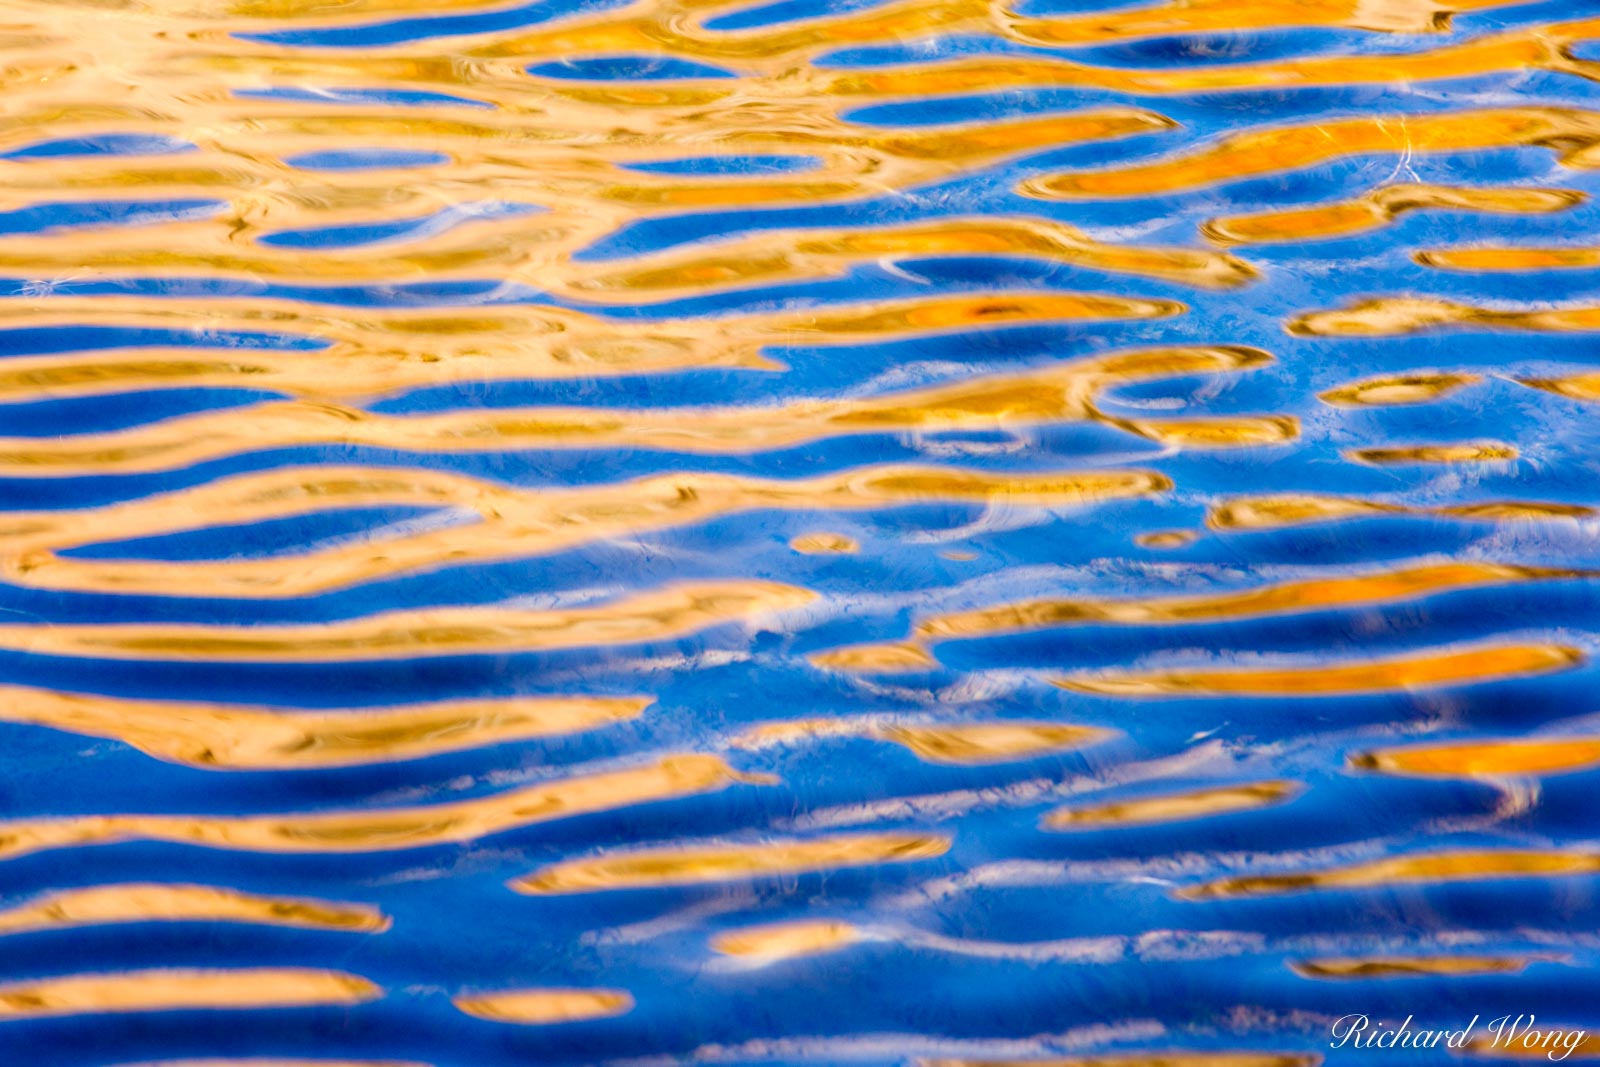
pixel 831 532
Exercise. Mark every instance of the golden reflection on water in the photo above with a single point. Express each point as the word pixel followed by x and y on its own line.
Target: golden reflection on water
pixel 1057 394
pixel 1391 390
pixel 511 523
pixel 825 543
pixel 1166 539
pixel 1296 509
pixel 963 744
pixel 1396 316
pixel 653 616
pixel 1174 807
pixel 1326 592
pixel 236 737
pixel 566 151
pixel 182 990
pixel 385 829
pixel 1486 759
pixel 1585 387
pixel 374 352
pixel 1320 678
pixel 1483 452
pixel 875 659
pixel 784 941
pixel 1357 968
pixel 1587 1047
pixel 1465 865
pixel 1275 149
pixel 1319 594
pixel 542 1007
pixel 154 902
pixel 690 865
pixel 1380 206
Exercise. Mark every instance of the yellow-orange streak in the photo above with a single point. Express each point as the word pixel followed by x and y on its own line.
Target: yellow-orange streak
pixel 1048 395
pixel 1174 807
pixel 1379 207
pixel 678 28
pixel 974 744
pixel 542 1007
pixel 591 197
pixel 376 352
pixel 1175 17
pixel 160 902
pixel 239 737
pixel 824 543
pixel 1463 865
pixel 1584 387
pixel 967 744
pixel 1487 452
pixel 1273 150
pixel 384 829
pixel 182 990
pixel 1317 594
pixel 559 157
pixel 1544 1043
pixel 1295 509
pixel 513 524
pixel 1420 387
pixel 1486 759
pixel 1394 316
pixel 1425 670
pixel 798 254
pixel 1360 967
pixel 1492 259
pixel 657 615
pixel 1165 539
pixel 875 659
pixel 786 941
pixel 643 868
pixel 1541 47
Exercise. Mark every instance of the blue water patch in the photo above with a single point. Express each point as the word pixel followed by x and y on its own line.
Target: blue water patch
pixel 113 411
pixel 366 159
pixel 264 540
pixel 364 234
pixel 401 31
pixel 373 97
pixel 627 68
pixel 746 165
pixel 103 144
pixel 759 15
pixel 43 340
pixel 41 218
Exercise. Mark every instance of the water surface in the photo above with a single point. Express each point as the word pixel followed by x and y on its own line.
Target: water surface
pixel 805 533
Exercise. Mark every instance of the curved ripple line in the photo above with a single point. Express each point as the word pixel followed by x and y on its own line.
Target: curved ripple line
pixel 182 990
pixel 385 829
pixel 1433 668
pixel 1050 395
pixel 659 615
pixel 242 737
pixel 514 524
pixel 693 865
pixel 168 902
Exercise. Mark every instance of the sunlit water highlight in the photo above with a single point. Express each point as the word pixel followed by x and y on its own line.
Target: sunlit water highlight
pixel 708 532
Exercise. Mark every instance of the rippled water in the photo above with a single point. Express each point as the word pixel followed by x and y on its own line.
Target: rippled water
pixel 826 532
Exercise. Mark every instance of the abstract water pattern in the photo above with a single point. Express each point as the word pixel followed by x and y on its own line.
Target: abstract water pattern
pixel 812 532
